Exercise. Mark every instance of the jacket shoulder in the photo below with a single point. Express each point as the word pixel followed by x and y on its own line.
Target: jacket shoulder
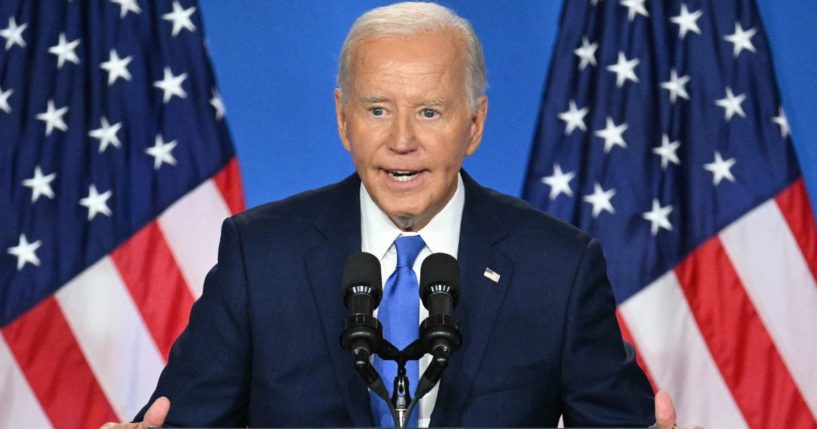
pixel 303 208
pixel 520 218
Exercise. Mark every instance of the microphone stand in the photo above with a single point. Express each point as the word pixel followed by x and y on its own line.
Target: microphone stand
pixel 401 396
pixel 439 336
pixel 401 404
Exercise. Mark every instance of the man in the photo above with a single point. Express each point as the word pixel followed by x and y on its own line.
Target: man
pixel 536 312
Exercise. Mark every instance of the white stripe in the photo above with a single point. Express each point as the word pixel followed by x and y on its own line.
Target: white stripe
pixel 112 336
pixel 20 408
pixel 192 226
pixel 777 279
pixel 665 331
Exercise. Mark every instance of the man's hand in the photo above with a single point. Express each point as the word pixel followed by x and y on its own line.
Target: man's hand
pixel 154 417
pixel 665 412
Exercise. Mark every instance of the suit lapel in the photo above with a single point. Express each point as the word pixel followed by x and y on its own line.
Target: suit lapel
pixel 480 302
pixel 339 223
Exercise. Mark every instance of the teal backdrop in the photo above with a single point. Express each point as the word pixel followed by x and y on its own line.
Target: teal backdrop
pixel 276 62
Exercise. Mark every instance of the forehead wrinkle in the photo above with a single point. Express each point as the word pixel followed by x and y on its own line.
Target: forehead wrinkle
pixel 387 76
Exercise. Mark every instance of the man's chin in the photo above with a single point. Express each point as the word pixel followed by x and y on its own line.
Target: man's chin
pixel 405 222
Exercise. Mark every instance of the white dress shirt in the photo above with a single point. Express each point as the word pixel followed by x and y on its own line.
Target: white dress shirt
pixel 441 234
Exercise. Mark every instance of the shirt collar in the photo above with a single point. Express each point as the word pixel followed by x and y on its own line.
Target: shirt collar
pixel 441 234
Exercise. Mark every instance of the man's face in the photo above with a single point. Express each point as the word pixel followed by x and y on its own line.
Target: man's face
pixel 407 122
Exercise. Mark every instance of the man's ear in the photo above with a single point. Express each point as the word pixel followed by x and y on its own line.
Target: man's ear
pixel 477 125
pixel 340 116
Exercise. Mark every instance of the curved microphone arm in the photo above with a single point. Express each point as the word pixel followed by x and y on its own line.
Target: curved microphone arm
pixel 363 334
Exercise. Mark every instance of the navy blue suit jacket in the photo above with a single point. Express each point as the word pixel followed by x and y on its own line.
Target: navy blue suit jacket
pixel 262 346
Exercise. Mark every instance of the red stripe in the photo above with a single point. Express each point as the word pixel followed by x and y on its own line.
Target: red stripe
pixel 795 206
pixel 156 284
pixel 52 362
pixel 740 345
pixel 628 337
pixel 228 181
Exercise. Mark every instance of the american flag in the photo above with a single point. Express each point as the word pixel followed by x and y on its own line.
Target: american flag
pixel 662 133
pixel 116 170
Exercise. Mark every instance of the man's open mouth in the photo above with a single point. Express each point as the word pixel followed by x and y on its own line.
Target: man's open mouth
pixel 402 176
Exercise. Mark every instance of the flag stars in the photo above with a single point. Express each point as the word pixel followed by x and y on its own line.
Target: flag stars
pixel 96 203
pixel 676 86
pixel 53 118
pixel 687 21
pixel 574 118
pixel 14 34
pixel 40 184
pixel 720 169
pixel 586 53
pixel 741 39
pixel 780 120
pixel 600 200
pixel 126 6
pixel 624 69
pixel 731 104
pixel 25 252
pixel 180 18
pixel 106 134
pixel 667 151
pixel 658 217
pixel 116 67
pixel 65 51
pixel 4 99
pixel 218 104
pixel 162 152
pixel 612 135
pixel 634 7
pixel 559 182
pixel 171 85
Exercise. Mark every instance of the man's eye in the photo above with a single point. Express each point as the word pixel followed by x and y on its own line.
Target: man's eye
pixel 377 111
pixel 429 113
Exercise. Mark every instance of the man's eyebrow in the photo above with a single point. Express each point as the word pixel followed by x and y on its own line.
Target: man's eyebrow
pixel 371 99
pixel 434 102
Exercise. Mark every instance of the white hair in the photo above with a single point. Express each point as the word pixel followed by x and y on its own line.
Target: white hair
pixel 408 18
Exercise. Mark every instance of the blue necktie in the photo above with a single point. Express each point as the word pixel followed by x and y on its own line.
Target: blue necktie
pixel 399 314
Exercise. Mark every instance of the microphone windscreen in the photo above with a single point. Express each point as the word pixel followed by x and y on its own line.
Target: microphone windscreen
pixel 440 269
pixel 362 268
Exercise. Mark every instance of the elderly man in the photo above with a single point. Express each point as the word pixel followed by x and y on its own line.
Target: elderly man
pixel 536 312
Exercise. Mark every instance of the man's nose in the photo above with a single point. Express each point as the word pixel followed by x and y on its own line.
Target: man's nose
pixel 403 136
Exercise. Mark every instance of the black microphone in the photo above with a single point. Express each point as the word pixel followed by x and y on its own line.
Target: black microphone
pixel 440 291
pixel 361 284
pixel 440 283
pixel 362 290
pixel 439 333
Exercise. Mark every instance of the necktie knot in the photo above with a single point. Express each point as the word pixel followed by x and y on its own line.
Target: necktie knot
pixel 408 247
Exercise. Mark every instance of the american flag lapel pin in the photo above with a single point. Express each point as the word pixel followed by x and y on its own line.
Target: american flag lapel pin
pixel 491 275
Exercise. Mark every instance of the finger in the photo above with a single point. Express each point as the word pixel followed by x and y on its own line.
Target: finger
pixel 664 410
pixel 156 414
